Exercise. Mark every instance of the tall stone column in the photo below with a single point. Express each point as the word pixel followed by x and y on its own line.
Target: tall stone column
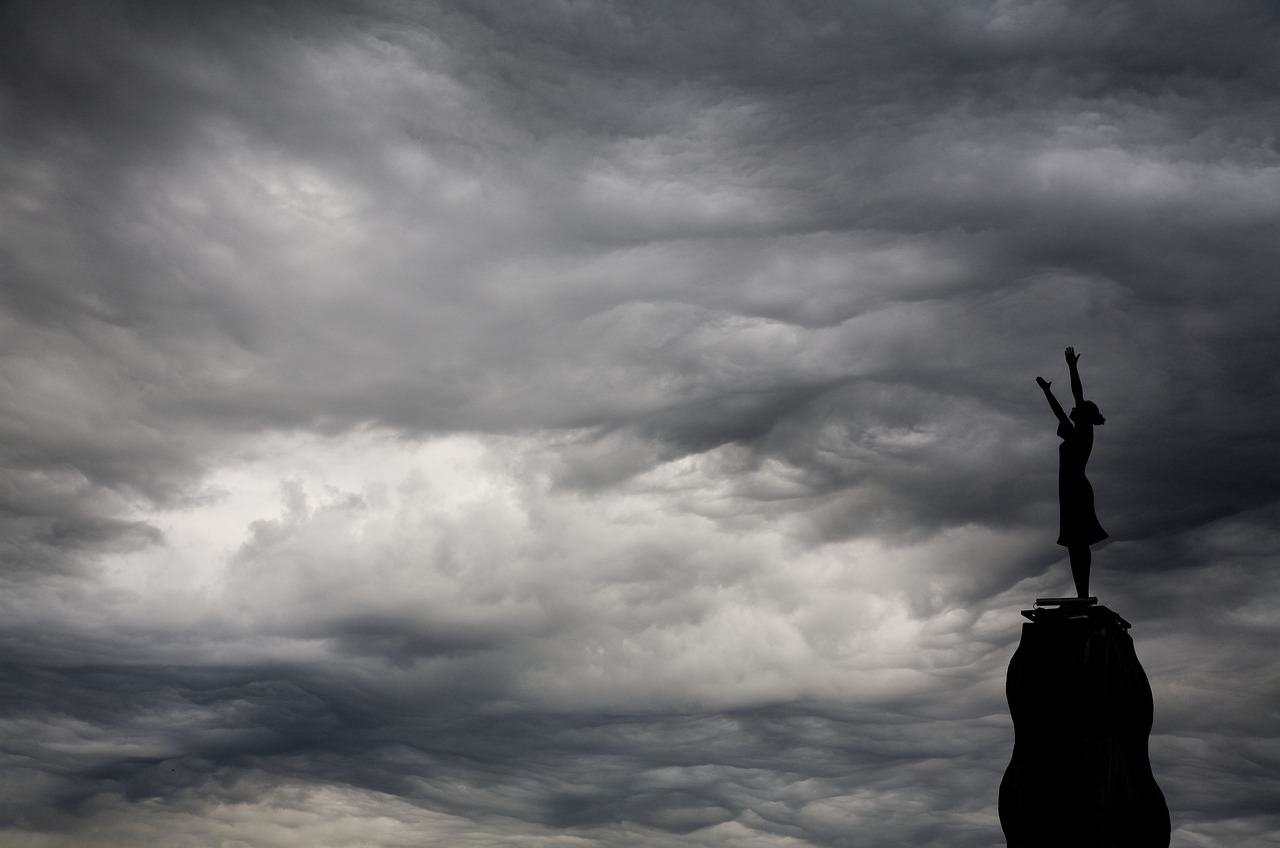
pixel 1081 705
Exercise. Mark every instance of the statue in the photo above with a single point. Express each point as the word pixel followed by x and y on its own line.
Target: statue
pixel 1078 526
pixel 1082 708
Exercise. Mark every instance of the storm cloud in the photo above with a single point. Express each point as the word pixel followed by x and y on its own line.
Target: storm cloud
pixel 484 423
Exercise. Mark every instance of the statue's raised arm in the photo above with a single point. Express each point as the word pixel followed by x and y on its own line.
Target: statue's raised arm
pixel 1053 401
pixel 1077 390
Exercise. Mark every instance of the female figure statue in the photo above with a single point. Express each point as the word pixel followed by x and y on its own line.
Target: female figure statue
pixel 1078 527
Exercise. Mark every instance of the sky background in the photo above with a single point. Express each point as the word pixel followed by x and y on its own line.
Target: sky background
pixel 578 423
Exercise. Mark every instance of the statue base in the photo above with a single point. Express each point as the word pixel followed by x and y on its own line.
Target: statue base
pixel 1082 709
pixel 1073 609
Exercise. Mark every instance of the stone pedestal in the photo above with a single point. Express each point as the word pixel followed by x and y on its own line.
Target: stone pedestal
pixel 1081 708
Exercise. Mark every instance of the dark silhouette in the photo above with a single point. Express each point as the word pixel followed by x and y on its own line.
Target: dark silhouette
pixel 1078 526
pixel 1080 776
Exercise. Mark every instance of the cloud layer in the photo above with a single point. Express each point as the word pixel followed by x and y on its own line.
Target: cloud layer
pixel 485 423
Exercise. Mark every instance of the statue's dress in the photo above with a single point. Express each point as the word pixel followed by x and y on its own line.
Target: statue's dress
pixel 1079 524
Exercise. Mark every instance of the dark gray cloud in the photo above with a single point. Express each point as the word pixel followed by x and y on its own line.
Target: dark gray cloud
pixel 164 734
pixel 617 420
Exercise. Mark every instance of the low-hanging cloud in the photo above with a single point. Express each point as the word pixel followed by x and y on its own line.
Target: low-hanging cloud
pixel 616 420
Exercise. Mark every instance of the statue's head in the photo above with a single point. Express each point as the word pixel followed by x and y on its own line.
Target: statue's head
pixel 1087 413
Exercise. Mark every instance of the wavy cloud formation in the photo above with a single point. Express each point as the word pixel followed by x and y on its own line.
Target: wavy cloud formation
pixel 485 423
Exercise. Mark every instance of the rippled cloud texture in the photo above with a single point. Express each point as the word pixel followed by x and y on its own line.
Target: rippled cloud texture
pixel 614 423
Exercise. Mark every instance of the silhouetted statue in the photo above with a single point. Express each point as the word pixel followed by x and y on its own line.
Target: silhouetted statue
pixel 1080 775
pixel 1078 527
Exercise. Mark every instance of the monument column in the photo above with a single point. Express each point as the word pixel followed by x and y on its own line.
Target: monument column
pixel 1081 705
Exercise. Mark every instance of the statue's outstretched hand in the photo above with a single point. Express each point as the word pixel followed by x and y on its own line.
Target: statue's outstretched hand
pixel 1071 355
pixel 1043 383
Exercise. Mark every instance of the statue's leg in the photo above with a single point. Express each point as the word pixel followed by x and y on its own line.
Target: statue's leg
pixel 1081 557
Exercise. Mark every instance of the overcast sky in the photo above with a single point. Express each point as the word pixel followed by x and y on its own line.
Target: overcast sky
pixel 491 423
